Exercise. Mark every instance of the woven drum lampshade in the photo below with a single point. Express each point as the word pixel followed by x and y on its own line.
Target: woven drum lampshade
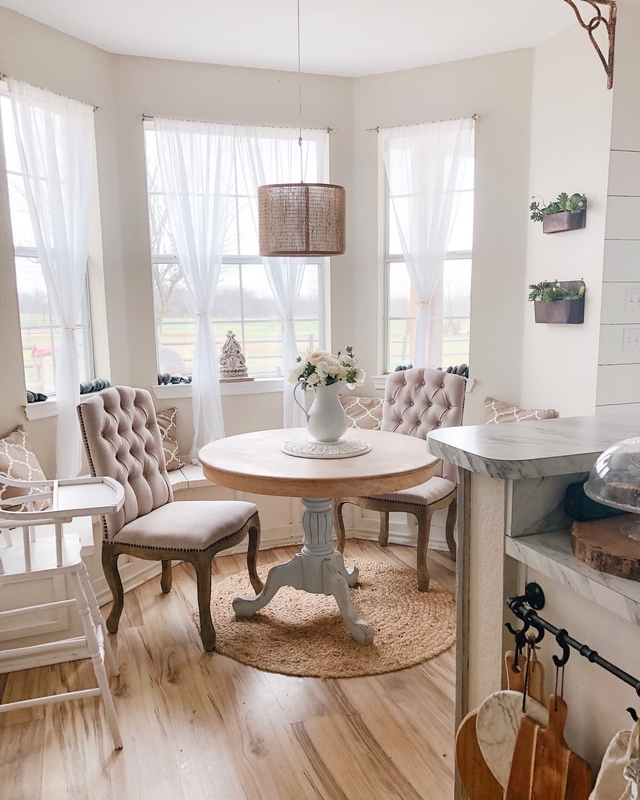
pixel 302 219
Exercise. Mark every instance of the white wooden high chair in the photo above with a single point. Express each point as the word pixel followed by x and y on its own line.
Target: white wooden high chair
pixel 59 502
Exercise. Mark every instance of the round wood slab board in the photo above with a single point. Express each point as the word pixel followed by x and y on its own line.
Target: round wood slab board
pixel 601 544
pixel 497 725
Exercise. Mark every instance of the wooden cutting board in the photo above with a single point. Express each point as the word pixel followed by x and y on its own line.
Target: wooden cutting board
pixel 543 767
pixel 478 780
pixel 515 679
pixel 476 777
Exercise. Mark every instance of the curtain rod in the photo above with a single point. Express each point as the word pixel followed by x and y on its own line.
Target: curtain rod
pixel 146 117
pixel 4 77
pixel 412 124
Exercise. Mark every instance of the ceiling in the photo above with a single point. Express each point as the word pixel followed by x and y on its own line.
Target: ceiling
pixel 339 37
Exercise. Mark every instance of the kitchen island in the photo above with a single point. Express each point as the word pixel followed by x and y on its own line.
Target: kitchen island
pixel 512 483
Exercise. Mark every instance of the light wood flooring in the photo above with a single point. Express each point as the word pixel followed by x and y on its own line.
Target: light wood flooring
pixel 199 726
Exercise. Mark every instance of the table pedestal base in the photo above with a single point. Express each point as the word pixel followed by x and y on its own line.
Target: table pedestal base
pixel 318 569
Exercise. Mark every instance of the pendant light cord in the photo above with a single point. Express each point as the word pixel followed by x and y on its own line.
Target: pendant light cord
pixel 299 100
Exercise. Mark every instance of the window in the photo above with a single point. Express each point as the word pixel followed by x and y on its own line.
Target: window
pixel 450 306
pixel 38 324
pixel 243 302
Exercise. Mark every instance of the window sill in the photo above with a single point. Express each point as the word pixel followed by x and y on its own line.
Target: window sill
pixel 379 382
pixel 258 386
pixel 48 407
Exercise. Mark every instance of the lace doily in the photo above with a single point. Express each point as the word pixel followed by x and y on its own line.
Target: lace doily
pixel 344 448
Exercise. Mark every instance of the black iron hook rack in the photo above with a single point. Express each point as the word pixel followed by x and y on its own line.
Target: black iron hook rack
pixel 526 606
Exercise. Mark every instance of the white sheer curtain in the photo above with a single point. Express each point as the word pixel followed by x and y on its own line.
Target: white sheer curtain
pixel 196 161
pixel 56 145
pixel 272 155
pixel 425 166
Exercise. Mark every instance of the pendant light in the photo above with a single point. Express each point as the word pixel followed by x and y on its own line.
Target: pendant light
pixel 301 219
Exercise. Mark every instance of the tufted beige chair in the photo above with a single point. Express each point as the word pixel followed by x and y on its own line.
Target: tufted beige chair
pixel 123 441
pixel 417 401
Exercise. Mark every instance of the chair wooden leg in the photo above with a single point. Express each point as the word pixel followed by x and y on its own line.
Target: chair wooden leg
pixel 424 529
pixel 202 565
pixel 338 524
pixel 252 556
pixel 167 577
pixel 110 567
pixel 383 535
pixel 452 514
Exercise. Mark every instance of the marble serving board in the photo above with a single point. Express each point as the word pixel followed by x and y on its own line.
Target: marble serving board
pixel 497 725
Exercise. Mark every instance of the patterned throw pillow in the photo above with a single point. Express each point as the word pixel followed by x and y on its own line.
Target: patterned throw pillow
pixel 19 463
pixel 169 432
pixel 497 411
pixel 363 412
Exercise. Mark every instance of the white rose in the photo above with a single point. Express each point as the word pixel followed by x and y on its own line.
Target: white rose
pixel 360 377
pixel 316 356
pixel 313 379
pixel 348 361
pixel 295 372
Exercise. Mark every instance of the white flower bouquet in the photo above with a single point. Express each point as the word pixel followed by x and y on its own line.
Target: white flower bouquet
pixel 319 368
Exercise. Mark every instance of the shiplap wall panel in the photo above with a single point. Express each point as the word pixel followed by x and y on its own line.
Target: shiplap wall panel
pixel 617 384
pixel 624 173
pixel 621 260
pixel 617 305
pixel 623 218
pixel 612 344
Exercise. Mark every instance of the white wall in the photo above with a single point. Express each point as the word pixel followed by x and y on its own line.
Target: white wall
pixel 570 132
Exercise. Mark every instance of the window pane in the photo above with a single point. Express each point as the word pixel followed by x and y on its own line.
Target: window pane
pixel 456 303
pixel 41 331
pixel 450 316
pixel 462 233
pixel 175 320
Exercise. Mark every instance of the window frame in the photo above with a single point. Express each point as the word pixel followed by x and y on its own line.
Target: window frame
pixel 323 265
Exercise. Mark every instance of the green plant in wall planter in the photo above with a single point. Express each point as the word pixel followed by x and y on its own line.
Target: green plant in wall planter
pixel 559 302
pixel 564 214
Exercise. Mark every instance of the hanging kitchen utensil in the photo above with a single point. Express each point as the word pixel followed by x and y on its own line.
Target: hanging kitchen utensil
pixel 500 714
pixel 543 767
pixel 517 675
pixel 477 779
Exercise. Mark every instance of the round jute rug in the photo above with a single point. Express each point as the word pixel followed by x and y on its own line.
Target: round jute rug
pixel 303 634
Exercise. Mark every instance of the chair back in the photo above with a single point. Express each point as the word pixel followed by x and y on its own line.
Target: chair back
pixel 420 400
pixel 123 442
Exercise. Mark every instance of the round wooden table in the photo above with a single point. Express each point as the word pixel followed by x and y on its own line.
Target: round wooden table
pixel 254 462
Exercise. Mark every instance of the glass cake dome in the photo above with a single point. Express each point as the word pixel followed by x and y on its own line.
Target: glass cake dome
pixel 615 481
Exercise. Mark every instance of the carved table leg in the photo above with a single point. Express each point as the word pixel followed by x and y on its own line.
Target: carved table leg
pixel 318 569
pixel 289 574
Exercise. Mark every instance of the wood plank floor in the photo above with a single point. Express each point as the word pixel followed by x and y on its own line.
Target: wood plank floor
pixel 198 725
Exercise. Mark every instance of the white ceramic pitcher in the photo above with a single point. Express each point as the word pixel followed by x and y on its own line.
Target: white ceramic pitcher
pixel 326 420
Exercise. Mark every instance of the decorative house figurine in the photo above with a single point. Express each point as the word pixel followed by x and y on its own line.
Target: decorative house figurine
pixel 233 366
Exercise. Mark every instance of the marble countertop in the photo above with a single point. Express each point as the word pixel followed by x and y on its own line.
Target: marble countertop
pixel 533 449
